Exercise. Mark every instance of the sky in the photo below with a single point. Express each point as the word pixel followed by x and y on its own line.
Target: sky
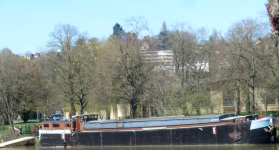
pixel 25 25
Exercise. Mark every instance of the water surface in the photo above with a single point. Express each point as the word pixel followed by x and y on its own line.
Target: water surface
pixel 211 147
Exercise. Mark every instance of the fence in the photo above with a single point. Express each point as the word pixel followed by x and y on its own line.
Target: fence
pixel 5 134
pixel 26 129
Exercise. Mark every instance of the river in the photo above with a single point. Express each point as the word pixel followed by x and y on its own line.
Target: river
pixel 211 147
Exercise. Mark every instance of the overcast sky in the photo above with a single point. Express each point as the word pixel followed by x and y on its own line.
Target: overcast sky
pixel 25 24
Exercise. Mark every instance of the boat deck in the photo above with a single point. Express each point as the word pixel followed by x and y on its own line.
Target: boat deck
pixel 153 122
pixel 182 117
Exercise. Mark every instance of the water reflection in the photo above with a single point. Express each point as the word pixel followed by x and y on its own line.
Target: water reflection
pixel 211 147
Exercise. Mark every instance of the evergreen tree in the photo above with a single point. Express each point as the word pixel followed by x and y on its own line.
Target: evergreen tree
pixel 117 30
pixel 163 36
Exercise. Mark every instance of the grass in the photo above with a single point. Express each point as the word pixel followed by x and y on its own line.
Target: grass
pixel 257 112
pixel 5 129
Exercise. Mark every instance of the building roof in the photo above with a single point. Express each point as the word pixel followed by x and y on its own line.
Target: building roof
pixel 86 115
pixel 59 121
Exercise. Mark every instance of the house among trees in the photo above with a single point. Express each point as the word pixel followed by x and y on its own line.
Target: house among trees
pixel 37 55
pixel 28 56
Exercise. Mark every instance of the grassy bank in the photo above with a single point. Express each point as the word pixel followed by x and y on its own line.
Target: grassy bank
pixel 25 126
pixel 257 112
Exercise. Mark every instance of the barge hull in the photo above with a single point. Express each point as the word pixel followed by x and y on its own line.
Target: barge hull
pixel 207 135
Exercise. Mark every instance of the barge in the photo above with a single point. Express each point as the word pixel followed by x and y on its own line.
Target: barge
pixel 91 130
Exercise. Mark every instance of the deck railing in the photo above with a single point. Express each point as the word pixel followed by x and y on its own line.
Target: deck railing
pixel 57 128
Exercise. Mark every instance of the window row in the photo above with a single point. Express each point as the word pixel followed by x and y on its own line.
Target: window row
pixel 56 125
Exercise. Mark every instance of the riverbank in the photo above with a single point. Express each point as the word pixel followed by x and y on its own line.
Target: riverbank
pixel 5 134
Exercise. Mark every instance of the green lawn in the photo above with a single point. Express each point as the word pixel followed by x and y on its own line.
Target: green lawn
pixel 258 113
pixel 25 126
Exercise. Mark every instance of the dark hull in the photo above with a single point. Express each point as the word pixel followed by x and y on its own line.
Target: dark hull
pixel 225 134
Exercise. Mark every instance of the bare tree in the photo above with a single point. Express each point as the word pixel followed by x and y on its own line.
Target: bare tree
pixel 83 67
pixel 190 54
pixel 20 80
pixel 138 24
pixel 246 49
pixel 73 63
pixel 105 57
pixel 9 79
pixel 62 46
pixel 191 61
pixel 132 74
pixel 55 99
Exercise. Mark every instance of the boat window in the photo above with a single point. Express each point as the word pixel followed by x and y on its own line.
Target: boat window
pixel 55 125
pixel 46 125
pixel 68 125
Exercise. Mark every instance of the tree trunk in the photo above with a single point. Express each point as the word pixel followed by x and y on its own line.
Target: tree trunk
pixel 238 99
pixel 10 113
pixel 248 104
pixel 81 107
pixel 134 110
pixel 108 113
pixel 25 115
pixel 253 84
pixel 198 111
pixel 11 122
pixel 72 101
pixel 144 111
pixel 73 110
pixel 81 103
pixel 253 99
